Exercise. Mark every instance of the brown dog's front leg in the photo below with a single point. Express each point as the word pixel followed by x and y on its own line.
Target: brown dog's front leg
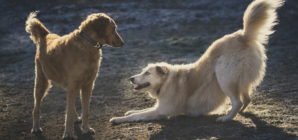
pixel 85 98
pixel 71 96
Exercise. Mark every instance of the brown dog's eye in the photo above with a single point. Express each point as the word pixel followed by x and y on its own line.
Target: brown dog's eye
pixel 147 73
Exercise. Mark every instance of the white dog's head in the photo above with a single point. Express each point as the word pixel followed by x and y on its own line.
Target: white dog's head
pixel 151 78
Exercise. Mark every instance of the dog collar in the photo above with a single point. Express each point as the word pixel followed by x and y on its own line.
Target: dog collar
pixel 89 39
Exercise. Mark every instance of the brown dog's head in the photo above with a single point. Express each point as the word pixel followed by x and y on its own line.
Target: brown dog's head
pixel 151 78
pixel 102 29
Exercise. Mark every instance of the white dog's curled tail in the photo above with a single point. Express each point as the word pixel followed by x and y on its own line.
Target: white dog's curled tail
pixel 259 19
pixel 35 28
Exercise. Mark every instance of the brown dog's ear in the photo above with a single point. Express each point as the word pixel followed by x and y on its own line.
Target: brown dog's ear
pixel 161 70
pixel 99 24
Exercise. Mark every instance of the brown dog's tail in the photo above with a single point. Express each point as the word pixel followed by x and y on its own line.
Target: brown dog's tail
pixel 259 19
pixel 35 28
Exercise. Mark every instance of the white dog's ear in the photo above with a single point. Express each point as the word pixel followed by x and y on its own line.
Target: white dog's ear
pixel 161 70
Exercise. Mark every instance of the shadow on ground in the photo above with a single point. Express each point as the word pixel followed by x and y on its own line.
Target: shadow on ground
pixel 205 127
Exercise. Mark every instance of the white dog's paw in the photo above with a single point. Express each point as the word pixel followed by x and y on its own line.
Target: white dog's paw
pixel 68 135
pixel 116 120
pixel 228 110
pixel 224 119
pixel 88 130
pixel 36 130
pixel 130 112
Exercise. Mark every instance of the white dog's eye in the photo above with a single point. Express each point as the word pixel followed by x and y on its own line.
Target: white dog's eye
pixel 147 73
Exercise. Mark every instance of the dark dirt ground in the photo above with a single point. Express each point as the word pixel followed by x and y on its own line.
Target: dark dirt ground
pixel 172 31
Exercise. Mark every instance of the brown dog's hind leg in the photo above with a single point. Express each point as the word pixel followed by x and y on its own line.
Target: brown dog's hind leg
pixel 76 117
pixel 85 97
pixel 41 86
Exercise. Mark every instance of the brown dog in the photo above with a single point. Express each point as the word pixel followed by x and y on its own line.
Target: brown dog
pixel 71 61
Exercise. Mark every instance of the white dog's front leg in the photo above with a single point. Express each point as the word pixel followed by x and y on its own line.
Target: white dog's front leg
pixel 149 114
pixel 130 112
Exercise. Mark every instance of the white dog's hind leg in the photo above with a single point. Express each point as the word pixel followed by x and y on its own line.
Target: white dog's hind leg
pixel 231 89
pixel 149 114
pixel 236 105
pixel 246 99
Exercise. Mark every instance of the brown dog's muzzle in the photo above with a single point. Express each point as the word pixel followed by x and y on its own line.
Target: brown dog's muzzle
pixel 118 41
pixel 118 46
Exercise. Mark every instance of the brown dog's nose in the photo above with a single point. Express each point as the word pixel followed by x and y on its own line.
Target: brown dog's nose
pixel 122 43
pixel 131 79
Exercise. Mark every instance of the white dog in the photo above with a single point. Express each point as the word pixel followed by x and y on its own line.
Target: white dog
pixel 231 67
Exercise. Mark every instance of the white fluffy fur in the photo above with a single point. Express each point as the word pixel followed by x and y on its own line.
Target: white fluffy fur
pixel 231 67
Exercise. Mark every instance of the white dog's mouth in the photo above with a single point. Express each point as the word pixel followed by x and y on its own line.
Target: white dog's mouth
pixel 137 87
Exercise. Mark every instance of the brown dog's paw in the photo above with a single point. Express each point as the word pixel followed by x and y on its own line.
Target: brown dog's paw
pixel 67 135
pixel 36 130
pixel 88 130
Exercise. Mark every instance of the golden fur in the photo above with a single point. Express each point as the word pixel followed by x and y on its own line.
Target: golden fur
pixel 71 62
pixel 231 67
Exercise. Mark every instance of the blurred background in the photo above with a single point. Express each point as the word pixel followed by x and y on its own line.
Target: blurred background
pixel 173 31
